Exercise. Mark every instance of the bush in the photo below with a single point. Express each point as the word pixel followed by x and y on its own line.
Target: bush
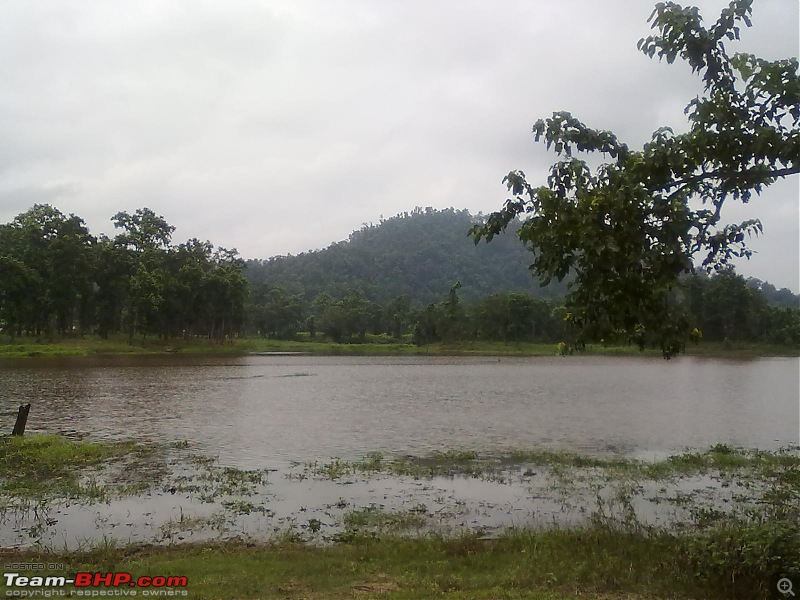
pixel 740 559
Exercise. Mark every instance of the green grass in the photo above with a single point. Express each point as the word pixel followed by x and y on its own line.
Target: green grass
pixel 92 346
pixel 719 458
pixel 373 519
pixel 40 467
pixel 210 482
pixel 374 346
pixel 597 562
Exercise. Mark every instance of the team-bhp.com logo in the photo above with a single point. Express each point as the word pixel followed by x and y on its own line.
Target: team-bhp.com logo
pixel 95 585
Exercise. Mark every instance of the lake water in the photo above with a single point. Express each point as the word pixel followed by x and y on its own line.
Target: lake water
pixel 265 411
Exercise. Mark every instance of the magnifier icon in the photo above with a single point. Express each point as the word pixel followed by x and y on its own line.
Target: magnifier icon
pixel 785 586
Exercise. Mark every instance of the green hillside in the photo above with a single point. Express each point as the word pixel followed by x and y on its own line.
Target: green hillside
pixel 420 254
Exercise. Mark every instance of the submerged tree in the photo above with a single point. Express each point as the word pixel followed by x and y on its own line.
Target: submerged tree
pixel 628 229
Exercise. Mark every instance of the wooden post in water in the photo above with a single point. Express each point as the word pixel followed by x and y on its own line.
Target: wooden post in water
pixel 22 419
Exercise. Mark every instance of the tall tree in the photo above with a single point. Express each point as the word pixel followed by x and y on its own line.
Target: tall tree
pixel 192 264
pixel 273 312
pixel 146 236
pixel 226 294
pixel 512 316
pixel 628 229
pixel 18 284
pixel 113 268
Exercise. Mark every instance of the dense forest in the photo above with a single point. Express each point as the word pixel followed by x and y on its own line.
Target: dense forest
pixel 415 277
pixel 57 279
pixel 420 254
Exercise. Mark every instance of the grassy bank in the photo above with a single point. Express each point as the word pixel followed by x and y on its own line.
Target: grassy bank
pixel 597 562
pixel 43 467
pixel 95 346
pixel 373 346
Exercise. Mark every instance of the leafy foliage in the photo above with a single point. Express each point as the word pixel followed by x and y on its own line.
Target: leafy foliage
pixel 59 279
pixel 726 307
pixel 629 229
pixel 46 258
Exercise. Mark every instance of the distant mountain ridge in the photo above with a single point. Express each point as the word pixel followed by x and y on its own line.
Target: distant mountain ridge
pixel 420 254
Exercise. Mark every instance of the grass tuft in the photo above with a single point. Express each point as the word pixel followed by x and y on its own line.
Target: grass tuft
pixel 47 466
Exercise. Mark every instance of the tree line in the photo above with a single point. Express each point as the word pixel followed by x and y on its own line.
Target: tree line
pixel 720 307
pixel 57 279
pixel 352 318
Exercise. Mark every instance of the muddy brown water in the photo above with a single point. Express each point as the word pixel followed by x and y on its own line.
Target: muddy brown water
pixel 264 411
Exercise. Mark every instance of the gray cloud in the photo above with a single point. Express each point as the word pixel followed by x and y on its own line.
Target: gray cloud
pixel 280 126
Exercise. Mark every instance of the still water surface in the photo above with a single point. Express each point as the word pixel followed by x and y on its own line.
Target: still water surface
pixel 265 411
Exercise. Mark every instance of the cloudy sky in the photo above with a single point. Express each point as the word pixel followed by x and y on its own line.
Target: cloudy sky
pixel 280 126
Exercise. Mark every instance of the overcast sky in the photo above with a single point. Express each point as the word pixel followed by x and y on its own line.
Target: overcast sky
pixel 278 127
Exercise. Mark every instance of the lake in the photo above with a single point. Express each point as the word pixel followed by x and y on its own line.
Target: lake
pixel 266 411
pixel 283 417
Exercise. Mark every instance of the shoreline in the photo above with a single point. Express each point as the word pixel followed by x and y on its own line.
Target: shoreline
pixel 76 347
pixel 719 551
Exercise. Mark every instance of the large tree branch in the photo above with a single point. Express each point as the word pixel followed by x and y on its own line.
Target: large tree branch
pixel 728 174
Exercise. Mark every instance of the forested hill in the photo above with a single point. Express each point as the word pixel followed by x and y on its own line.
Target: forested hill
pixel 419 254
